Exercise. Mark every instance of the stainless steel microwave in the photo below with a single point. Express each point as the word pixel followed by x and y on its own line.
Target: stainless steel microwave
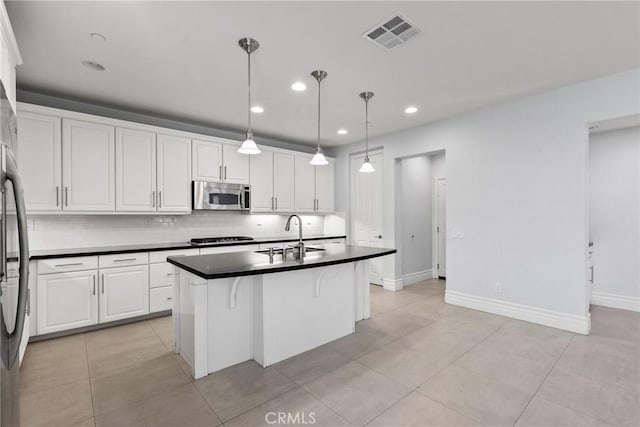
pixel 216 196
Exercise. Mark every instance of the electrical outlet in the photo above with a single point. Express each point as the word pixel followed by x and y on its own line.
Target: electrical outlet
pixel 498 288
pixel 457 233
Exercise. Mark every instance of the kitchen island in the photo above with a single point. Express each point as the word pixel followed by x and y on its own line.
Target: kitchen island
pixel 234 307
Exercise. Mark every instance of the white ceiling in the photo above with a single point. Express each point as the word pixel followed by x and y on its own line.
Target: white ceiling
pixel 181 59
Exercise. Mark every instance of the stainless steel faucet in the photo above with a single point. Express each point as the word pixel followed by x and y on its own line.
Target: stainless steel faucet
pixel 299 249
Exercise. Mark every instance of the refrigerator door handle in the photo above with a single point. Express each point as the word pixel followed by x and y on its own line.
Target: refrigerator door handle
pixel 12 340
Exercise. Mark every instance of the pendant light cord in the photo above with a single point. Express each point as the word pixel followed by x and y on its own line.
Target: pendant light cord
pixel 249 86
pixel 366 127
pixel 318 115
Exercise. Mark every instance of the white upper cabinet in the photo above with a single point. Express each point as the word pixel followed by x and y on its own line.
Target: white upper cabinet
pixel 88 177
pixel 283 182
pixel 261 173
pixel 235 169
pixel 325 187
pixel 174 174
pixel 304 185
pixel 207 161
pixel 219 161
pixel 135 170
pixel 39 159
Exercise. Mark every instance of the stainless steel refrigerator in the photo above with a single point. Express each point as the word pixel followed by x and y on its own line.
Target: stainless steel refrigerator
pixel 14 251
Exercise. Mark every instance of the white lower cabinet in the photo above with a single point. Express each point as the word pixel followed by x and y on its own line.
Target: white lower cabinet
pixel 160 299
pixel 124 292
pixel 67 301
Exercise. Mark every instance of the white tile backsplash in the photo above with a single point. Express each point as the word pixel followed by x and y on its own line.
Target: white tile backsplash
pixel 73 231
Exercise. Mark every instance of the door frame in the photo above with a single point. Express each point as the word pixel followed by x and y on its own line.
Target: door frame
pixel 434 226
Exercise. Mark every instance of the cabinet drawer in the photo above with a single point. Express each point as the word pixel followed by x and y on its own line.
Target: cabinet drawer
pixel 121 260
pixel 63 265
pixel 160 274
pixel 161 256
pixel 161 299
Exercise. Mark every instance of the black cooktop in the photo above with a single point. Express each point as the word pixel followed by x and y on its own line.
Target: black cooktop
pixel 207 240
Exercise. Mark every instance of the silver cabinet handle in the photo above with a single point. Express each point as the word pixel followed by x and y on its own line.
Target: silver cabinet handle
pixel 69 265
pixel 103 283
pixel 125 260
pixel 591 268
pixel 272 205
pixel 379 236
pixel 57 195
pixel 66 196
pixel 225 173
pixel 276 203
pixel 220 172
pixel 169 298
pixel 94 284
pixel 153 199
pixel 159 199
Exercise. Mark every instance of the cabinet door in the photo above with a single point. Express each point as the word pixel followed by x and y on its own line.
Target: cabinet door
pixel 207 161
pixel 304 185
pixel 135 170
pixel 235 167
pixel 283 181
pixel 261 172
pixel 39 156
pixel 124 292
pixel 174 174
pixel 67 301
pixel 325 187
pixel 88 173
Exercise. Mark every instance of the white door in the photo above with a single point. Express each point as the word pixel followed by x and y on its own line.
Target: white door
pixel 207 161
pixel 135 170
pixel 124 292
pixel 305 185
pixel 66 301
pixel 441 227
pixel 261 172
pixel 235 167
pixel 88 172
pixel 366 209
pixel 39 159
pixel 325 187
pixel 174 174
pixel 283 182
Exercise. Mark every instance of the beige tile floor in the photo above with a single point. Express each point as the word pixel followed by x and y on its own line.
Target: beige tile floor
pixel 416 362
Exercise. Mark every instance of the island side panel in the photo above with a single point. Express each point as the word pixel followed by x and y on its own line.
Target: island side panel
pixel 362 290
pixel 304 309
pixel 190 322
pixel 229 333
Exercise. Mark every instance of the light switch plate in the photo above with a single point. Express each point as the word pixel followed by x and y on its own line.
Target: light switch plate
pixel 457 233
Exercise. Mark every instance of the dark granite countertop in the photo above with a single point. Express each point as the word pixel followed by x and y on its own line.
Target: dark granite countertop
pixel 249 263
pixel 153 247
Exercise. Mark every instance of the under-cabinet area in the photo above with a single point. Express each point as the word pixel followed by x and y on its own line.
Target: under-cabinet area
pixel 79 163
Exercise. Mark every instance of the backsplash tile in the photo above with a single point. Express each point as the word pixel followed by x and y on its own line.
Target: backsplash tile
pixel 72 231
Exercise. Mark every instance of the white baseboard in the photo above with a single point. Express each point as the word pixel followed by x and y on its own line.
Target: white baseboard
pixel 555 319
pixel 616 301
pixel 416 277
pixel 392 284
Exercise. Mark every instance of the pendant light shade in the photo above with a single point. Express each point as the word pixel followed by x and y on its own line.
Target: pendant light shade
pixel 249 146
pixel 319 159
pixel 366 165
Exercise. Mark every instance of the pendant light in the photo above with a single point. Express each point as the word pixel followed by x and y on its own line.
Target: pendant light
pixel 366 166
pixel 249 146
pixel 319 159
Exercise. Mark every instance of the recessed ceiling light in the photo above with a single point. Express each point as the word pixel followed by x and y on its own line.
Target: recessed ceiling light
pixel 411 110
pixel 257 109
pixel 299 86
pixel 98 37
pixel 93 65
pixel 342 132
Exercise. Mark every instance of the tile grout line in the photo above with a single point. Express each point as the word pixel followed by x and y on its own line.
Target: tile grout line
pixel 86 354
pixel 544 380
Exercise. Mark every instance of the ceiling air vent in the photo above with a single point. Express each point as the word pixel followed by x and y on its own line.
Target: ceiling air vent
pixel 392 32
